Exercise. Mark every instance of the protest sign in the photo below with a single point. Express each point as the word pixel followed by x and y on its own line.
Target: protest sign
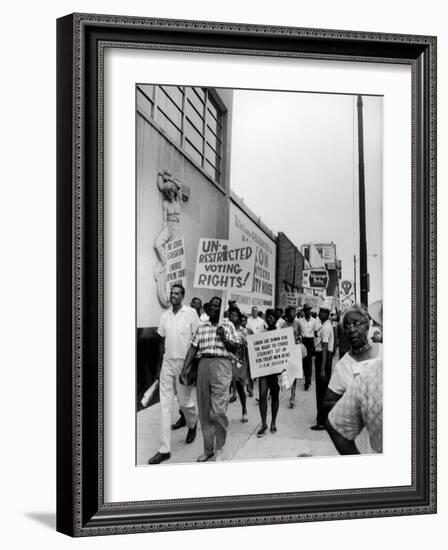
pixel 175 263
pixel 292 299
pixel 223 265
pixel 270 352
pixel 309 299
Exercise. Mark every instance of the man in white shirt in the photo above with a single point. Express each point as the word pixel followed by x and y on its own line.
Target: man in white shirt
pixel 176 329
pixel 324 358
pixel 255 324
pixel 308 330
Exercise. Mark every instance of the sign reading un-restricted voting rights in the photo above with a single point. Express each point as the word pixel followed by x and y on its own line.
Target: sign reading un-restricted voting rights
pixel 272 352
pixel 223 265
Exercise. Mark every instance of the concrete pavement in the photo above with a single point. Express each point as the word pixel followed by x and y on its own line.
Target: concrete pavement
pixel 292 439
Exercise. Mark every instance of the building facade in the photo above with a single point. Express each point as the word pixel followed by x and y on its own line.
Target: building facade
pixel 322 257
pixel 183 189
pixel 290 265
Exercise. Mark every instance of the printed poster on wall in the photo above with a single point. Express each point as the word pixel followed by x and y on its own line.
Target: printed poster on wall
pixel 175 267
pixel 262 293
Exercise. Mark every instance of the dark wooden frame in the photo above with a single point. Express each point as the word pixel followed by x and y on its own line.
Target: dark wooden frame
pixel 81 510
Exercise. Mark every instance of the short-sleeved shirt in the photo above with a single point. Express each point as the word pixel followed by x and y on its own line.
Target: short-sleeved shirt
pixel 256 325
pixel 209 343
pixel 280 322
pixel 307 328
pixel 346 369
pixel 317 328
pixel 295 328
pixel 177 329
pixel 325 335
pixel 362 406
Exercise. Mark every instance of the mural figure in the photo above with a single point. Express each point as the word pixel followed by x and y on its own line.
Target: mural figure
pixel 174 194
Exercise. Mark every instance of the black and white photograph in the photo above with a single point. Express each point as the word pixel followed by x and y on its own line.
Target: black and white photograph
pixel 259 274
pixel 194 193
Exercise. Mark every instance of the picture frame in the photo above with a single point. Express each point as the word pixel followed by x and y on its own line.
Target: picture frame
pixel 81 507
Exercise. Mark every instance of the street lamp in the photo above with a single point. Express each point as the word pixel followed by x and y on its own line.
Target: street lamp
pixel 354 274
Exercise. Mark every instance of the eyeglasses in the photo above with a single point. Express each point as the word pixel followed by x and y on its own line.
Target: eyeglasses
pixel 354 324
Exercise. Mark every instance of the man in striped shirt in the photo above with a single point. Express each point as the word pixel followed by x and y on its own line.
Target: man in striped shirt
pixel 212 344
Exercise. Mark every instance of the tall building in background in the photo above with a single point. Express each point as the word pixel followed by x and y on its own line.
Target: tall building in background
pixel 322 272
pixel 290 266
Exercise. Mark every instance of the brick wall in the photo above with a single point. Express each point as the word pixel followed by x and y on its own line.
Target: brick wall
pixel 290 263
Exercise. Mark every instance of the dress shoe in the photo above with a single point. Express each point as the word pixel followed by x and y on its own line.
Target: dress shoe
pixel 261 432
pixel 204 457
pixel 273 428
pixel 159 457
pixel 191 434
pixel 317 427
pixel 180 423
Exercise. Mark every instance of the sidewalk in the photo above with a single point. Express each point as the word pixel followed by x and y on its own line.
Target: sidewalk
pixel 292 439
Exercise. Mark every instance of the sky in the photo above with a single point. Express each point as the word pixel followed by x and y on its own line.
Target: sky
pixel 294 161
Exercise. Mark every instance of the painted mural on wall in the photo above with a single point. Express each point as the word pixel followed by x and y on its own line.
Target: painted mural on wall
pixel 174 193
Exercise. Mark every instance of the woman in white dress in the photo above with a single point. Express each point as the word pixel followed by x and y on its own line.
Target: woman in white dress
pixel 362 354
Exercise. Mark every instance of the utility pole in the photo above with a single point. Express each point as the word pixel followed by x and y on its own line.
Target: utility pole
pixel 363 275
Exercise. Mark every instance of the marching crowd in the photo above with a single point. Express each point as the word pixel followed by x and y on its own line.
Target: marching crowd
pixel 204 355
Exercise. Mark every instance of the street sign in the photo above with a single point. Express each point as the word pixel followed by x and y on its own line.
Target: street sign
pixel 315 278
pixel 347 287
pixel 347 294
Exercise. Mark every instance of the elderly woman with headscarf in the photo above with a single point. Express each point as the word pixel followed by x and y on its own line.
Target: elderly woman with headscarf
pixel 362 354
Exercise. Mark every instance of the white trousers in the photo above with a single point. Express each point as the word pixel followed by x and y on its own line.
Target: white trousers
pixel 169 385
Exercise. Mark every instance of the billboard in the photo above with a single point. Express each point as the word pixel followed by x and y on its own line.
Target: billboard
pixel 243 229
